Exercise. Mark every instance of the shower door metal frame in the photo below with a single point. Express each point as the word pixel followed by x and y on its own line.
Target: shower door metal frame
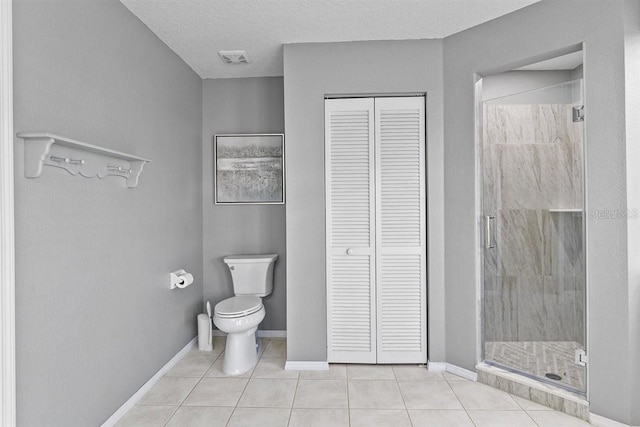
pixel 482 237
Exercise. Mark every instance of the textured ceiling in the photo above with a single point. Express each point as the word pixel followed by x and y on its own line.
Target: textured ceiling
pixel 197 29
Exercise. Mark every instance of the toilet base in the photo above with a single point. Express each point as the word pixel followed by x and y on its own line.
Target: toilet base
pixel 241 352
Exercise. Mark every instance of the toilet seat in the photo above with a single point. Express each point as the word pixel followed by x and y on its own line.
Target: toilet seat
pixel 239 306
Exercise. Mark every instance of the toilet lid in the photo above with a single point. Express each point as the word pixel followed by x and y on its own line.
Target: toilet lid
pixel 243 305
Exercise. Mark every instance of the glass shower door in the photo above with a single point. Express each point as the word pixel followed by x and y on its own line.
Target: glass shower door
pixel 534 269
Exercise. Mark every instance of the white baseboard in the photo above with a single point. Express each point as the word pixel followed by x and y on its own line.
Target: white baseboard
pixel 272 334
pixel 113 419
pixel 437 366
pixel 600 421
pixel 261 334
pixel 453 369
pixel 461 372
pixel 293 365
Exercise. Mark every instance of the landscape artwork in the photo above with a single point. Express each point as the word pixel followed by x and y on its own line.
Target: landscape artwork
pixel 249 169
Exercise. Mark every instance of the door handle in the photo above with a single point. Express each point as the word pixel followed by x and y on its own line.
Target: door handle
pixel 490 241
pixel 350 251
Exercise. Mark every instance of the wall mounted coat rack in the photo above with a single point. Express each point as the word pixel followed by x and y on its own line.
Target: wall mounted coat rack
pixel 77 158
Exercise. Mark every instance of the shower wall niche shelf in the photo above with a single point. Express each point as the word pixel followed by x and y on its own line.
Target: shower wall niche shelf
pixel 77 157
pixel 567 210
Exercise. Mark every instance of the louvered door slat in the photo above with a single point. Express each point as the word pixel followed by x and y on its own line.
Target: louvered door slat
pixel 401 231
pixel 351 325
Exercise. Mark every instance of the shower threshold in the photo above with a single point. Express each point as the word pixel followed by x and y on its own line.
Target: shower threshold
pixel 528 387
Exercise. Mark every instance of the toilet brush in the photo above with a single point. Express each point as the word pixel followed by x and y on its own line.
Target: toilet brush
pixel 210 323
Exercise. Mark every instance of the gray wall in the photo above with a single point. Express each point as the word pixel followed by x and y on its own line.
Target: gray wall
pixel 310 72
pixel 95 318
pixel 507 43
pixel 249 105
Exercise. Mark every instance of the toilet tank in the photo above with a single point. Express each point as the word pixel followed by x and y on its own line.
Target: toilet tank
pixel 251 274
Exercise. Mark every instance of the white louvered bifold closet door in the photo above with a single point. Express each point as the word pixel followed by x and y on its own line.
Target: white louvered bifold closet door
pixel 349 163
pixel 400 230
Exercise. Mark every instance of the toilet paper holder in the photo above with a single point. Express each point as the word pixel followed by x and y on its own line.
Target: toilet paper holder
pixel 179 279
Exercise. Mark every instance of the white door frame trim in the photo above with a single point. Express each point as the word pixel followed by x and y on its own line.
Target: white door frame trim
pixel 7 231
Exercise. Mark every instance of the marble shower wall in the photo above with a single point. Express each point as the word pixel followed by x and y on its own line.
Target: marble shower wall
pixel 534 278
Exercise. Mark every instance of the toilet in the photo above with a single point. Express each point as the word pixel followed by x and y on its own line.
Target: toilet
pixel 240 315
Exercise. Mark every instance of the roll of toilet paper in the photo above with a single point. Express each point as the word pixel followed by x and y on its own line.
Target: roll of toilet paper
pixel 184 280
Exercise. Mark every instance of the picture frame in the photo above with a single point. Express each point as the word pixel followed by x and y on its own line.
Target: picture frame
pixel 249 169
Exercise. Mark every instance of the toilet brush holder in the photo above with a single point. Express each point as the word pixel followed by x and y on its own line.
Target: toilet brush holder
pixel 205 342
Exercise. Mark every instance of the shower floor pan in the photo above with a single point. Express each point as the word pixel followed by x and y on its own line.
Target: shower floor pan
pixel 540 358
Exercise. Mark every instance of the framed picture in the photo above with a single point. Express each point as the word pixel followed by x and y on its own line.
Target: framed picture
pixel 249 169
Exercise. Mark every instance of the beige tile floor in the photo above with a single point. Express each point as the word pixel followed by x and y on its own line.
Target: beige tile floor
pixel 197 393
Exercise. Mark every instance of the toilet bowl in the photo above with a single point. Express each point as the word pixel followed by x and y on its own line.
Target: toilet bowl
pixel 239 316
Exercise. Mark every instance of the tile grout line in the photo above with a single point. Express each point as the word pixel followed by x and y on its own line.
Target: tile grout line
pixel 172 415
pixel 246 385
pixel 194 387
pixel 244 389
pixel 346 379
pixel 294 399
pixel 530 417
pixel 406 409
pixel 459 401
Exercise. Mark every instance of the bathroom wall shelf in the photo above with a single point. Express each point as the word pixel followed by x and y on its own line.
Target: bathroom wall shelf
pixel 566 210
pixel 77 158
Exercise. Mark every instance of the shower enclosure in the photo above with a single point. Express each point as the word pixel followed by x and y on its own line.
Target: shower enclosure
pixel 533 234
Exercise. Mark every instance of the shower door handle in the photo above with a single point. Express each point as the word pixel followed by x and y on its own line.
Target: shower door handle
pixel 490 241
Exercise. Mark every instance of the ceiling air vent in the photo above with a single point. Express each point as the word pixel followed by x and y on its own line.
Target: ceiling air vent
pixel 234 56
